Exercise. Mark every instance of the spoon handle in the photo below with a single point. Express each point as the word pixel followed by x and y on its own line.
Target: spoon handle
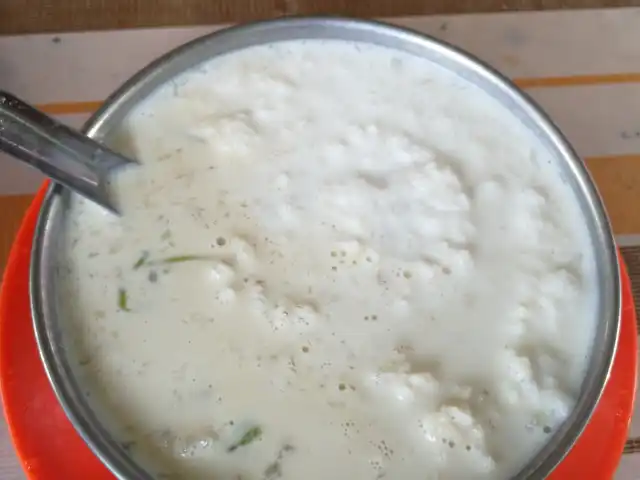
pixel 59 152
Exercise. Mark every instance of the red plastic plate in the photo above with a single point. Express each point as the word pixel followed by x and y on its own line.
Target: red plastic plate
pixel 50 449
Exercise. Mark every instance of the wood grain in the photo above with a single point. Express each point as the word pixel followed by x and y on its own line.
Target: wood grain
pixel 632 446
pixel 13 209
pixel 631 257
pixel 28 16
pixel 618 180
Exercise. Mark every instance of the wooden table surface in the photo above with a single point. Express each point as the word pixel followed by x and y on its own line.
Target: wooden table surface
pixel 28 16
pixel 619 177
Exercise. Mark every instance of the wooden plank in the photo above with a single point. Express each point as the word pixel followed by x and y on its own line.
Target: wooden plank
pixel 618 180
pixel 28 16
pixel 13 209
pixel 631 257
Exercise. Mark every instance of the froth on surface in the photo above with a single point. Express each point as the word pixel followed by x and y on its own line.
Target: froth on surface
pixel 346 254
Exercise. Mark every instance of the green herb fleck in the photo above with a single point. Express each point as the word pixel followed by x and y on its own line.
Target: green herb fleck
pixel 123 300
pixel 273 471
pixel 251 435
pixel 184 258
pixel 141 261
pixel 83 362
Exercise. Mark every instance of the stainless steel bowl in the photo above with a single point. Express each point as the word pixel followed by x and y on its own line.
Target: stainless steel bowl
pixel 44 269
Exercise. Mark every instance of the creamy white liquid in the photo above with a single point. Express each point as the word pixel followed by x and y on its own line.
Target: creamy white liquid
pixel 391 279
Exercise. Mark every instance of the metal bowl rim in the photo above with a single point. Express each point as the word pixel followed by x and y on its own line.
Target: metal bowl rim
pixel 554 450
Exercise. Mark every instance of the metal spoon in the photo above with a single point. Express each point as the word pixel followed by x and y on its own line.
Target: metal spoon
pixel 59 152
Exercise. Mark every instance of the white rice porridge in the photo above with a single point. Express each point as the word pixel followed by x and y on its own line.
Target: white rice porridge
pixel 337 261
